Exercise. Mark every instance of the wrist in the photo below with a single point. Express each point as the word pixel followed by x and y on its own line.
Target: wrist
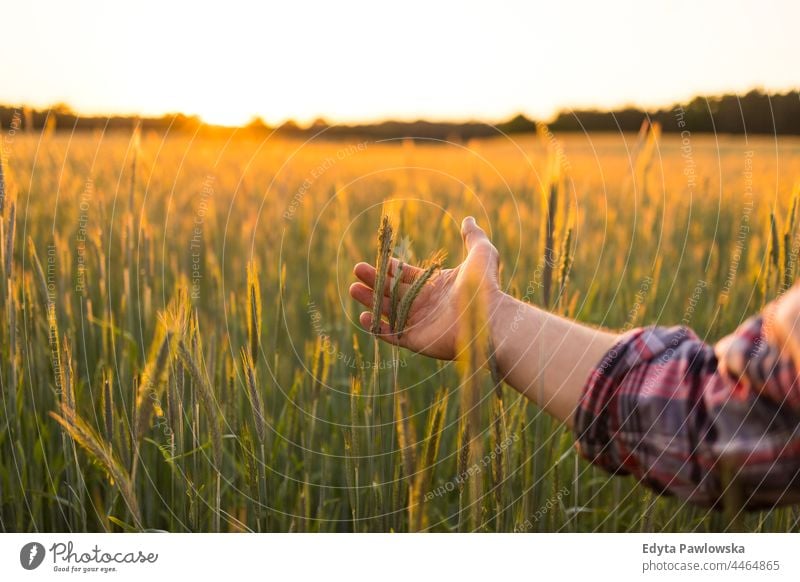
pixel 505 316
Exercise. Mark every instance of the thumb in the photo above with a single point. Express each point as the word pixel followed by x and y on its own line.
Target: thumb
pixel 472 233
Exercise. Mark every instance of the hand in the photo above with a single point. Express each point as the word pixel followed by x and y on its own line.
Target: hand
pixel 433 320
pixel 780 328
pixel 783 324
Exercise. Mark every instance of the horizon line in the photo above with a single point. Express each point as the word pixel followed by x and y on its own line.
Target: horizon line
pixel 67 109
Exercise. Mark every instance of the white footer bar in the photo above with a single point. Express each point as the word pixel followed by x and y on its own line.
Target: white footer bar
pixel 402 558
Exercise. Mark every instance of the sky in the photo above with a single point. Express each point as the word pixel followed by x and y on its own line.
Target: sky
pixel 350 61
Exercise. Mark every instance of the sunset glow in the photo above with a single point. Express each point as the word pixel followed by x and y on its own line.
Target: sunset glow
pixel 448 60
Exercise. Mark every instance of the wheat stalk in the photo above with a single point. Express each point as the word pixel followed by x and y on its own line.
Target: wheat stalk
pixel 433 436
pixel 108 407
pixel 2 182
pixel 352 446
pixel 260 422
pixel 473 355
pixel 9 250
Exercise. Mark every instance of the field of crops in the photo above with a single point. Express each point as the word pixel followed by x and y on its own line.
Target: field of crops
pixel 178 350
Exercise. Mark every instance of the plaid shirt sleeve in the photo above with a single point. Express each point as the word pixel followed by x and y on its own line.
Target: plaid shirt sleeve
pixel 657 407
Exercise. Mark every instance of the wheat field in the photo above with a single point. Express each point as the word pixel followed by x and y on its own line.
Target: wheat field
pixel 179 351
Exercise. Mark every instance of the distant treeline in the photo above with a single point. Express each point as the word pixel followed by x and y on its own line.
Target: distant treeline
pixel 61 117
pixel 753 113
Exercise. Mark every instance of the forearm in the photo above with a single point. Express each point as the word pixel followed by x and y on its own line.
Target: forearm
pixel 545 357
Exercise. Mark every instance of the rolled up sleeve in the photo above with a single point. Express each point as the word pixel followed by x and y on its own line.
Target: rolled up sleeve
pixel 656 407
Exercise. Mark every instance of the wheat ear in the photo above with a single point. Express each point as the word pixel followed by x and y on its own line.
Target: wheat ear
pixel 434 264
pixel 385 238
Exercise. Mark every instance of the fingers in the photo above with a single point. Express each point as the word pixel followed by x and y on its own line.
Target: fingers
pixel 366 273
pixel 409 273
pixel 745 357
pixel 365 319
pixel 472 233
pixel 732 358
pixel 363 295
pixel 721 350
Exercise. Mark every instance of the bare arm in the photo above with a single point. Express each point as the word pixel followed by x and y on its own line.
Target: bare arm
pixel 544 357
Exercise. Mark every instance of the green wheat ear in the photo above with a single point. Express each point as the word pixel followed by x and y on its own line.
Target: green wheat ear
pixel 206 396
pixel 256 402
pixel 385 238
pixel 82 433
pixel 433 265
pixel 394 300
pixel 253 310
